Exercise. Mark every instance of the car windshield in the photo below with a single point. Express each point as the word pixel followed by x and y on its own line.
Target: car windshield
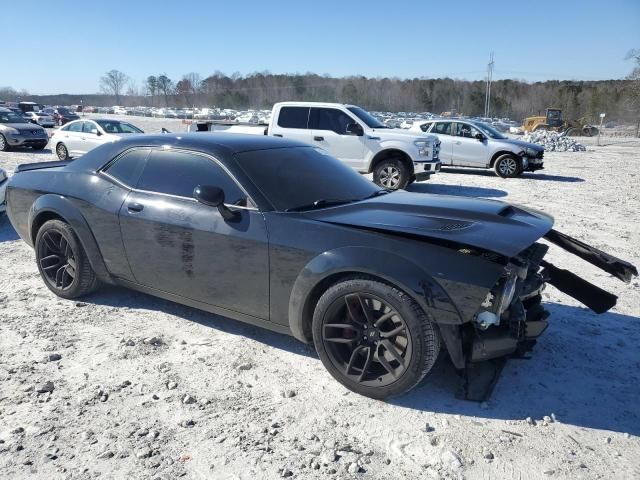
pixel 113 126
pixel 367 118
pixel 11 117
pixel 302 178
pixel 490 131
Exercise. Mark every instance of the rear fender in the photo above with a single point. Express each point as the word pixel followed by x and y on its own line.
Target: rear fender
pixel 61 206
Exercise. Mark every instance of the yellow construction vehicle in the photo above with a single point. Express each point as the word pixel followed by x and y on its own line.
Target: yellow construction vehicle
pixel 553 121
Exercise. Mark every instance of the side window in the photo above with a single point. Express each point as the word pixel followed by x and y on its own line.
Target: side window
pixel 293 117
pixel 179 173
pixel 89 127
pixel 128 167
pixel 75 127
pixel 466 130
pixel 330 119
pixel 442 128
pixel 425 127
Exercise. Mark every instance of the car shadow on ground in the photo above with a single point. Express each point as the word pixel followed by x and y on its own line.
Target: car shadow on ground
pixel 526 175
pixel 458 190
pixel 584 369
pixel 45 151
pixel 121 297
pixel 7 233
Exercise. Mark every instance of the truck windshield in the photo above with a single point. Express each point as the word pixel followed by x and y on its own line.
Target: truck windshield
pixel 367 118
pixel 301 178
pixel 490 131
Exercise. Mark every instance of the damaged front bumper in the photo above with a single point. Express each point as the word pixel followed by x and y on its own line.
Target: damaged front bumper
pixel 512 316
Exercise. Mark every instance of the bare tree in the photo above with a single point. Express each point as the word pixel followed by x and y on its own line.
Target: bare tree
pixel 152 87
pixel 113 82
pixel 634 88
pixel 165 86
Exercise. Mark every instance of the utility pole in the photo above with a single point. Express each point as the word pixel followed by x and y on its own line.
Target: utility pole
pixel 487 96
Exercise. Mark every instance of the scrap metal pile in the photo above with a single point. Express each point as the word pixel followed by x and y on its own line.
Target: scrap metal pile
pixel 554 141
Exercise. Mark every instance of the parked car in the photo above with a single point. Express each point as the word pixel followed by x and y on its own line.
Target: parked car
pixel 465 143
pixel 4 179
pixel 16 131
pixel 282 235
pixel 396 157
pixel 41 119
pixel 61 115
pixel 78 137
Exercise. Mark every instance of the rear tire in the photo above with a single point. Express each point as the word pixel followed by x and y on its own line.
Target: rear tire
pixel 371 355
pixel 508 166
pixel 62 262
pixel 4 145
pixel 62 152
pixel 392 174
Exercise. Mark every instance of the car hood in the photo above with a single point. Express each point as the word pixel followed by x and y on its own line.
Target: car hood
pixel 522 144
pixel 486 224
pixel 22 126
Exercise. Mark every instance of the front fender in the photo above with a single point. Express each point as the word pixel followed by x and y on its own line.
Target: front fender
pixel 395 269
pixel 388 145
pixel 58 205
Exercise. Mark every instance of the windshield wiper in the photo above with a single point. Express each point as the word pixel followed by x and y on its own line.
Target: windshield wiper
pixel 321 203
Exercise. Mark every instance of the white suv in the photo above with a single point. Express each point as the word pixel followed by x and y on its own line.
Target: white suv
pixel 465 143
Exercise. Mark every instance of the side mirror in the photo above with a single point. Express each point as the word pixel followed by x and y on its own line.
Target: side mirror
pixel 480 137
pixel 213 197
pixel 354 129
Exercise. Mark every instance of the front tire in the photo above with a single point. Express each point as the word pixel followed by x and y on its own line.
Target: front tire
pixel 392 174
pixel 62 152
pixel 374 338
pixel 508 166
pixel 4 145
pixel 62 262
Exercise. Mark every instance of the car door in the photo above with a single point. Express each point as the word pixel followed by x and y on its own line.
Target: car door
pixel 443 131
pixel 180 246
pixel 468 150
pixel 90 138
pixel 71 135
pixel 329 132
pixel 292 123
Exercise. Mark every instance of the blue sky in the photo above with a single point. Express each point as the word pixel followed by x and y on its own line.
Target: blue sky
pixel 531 40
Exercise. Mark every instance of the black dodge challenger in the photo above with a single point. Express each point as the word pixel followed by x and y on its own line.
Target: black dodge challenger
pixel 281 235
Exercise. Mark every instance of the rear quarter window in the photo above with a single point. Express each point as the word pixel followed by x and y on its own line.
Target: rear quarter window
pixel 293 117
pixel 128 168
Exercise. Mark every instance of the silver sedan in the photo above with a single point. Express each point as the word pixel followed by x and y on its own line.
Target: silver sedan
pixel 78 137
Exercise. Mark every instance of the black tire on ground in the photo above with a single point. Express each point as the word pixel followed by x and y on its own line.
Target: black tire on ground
pixel 392 174
pixel 62 262
pixel 4 145
pixel 573 132
pixel 369 354
pixel 508 166
pixel 62 152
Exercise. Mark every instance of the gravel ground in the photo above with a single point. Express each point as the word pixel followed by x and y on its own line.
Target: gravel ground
pixel 124 385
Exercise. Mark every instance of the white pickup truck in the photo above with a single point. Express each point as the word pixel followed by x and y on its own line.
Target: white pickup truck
pixel 396 157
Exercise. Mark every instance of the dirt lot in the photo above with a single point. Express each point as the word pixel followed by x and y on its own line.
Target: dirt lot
pixel 144 388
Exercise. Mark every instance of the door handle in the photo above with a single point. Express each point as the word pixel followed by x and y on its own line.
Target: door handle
pixel 277 135
pixel 318 139
pixel 135 207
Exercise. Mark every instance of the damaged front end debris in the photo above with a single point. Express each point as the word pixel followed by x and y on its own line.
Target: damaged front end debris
pixel 512 316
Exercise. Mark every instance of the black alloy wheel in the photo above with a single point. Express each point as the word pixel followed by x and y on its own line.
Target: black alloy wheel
pixel 62 261
pixel 57 260
pixel 373 338
pixel 367 339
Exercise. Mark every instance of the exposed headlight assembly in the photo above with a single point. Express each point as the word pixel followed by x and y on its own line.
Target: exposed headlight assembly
pixel 530 152
pixel 508 290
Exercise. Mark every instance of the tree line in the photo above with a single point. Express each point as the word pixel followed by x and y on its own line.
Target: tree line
pixel 515 99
